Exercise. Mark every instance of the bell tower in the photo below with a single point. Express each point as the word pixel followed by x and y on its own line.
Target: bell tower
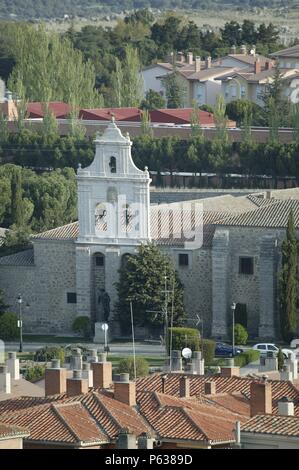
pixel 113 211
pixel 113 194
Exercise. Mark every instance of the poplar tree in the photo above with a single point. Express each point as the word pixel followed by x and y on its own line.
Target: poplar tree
pixel 288 283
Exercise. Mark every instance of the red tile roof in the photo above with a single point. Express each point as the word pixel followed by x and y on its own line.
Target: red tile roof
pixel 269 424
pixel 180 116
pixel 8 431
pixel 60 110
pixel 105 114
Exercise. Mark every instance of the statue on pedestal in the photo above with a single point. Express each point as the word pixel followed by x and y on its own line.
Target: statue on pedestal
pixel 104 300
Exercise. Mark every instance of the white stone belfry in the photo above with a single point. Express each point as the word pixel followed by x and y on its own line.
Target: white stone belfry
pixel 114 218
pixel 113 194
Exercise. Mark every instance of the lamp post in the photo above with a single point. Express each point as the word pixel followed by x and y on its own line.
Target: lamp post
pixel 20 321
pixel 233 307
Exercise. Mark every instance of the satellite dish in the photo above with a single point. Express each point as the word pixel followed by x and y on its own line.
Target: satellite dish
pixel 105 326
pixel 187 353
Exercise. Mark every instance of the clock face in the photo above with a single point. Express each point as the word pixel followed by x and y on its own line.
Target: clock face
pixel 101 217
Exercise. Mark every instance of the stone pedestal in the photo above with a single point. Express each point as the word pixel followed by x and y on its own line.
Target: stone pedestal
pixel 13 365
pixel 5 380
pixel 99 333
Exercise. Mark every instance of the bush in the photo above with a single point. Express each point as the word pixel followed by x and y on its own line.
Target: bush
pixel 208 350
pixel 82 325
pixel 126 365
pixel 241 335
pixel 184 338
pixel 8 326
pixel 246 357
pixel 48 353
pixel 34 373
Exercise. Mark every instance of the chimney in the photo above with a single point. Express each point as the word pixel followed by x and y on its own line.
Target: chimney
pixel 198 364
pixel 243 49
pixel 208 62
pixel 92 355
pixel 13 365
pixel 210 388
pixel 237 432
pixel 197 64
pixel 230 370
pixel 181 57
pixel 233 50
pixel 102 372
pixel 286 373
pixel 87 373
pixel 76 385
pixel 126 440
pixel 184 387
pixel 285 407
pixel 145 441
pixel 76 359
pixel 125 390
pixel 176 361
pixel 268 65
pixel 190 58
pixel 55 379
pixel 268 194
pixel 163 379
pixel 5 382
pixel 257 66
pixel 260 398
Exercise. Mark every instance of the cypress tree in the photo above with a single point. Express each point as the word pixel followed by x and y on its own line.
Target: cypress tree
pixel 16 199
pixel 288 283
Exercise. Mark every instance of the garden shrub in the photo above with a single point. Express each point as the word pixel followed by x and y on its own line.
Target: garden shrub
pixel 47 353
pixel 82 325
pixel 126 365
pixel 241 335
pixel 246 357
pixel 184 338
pixel 34 373
pixel 208 350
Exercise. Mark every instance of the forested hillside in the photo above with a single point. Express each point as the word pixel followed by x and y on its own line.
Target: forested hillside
pixel 56 8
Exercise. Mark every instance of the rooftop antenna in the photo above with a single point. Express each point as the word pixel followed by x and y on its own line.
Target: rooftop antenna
pixel 133 338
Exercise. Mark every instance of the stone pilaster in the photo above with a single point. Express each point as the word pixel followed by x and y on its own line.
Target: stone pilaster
pixel 267 279
pixel 220 285
pixel 83 271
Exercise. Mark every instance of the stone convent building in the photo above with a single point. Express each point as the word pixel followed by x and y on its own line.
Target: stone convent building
pixel 69 269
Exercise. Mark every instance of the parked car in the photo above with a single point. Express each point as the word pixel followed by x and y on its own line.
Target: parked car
pixel 264 348
pixel 226 350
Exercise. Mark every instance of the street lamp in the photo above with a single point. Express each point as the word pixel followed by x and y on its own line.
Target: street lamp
pixel 20 321
pixel 233 308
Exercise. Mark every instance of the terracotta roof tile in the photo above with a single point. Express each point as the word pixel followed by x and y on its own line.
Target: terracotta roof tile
pixel 7 430
pixel 269 424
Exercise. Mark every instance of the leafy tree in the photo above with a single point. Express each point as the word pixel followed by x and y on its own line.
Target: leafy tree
pixel 238 110
pixel 232 33
pixel 196 130
pixel 220 119
pixel 153 100
pixel 16 199
pixel 142 279
pixel 288 283
pixel 276 102
pixel 175 90
pixel 8 326
pixel 3 306
pixel 241 334
pixel 127 80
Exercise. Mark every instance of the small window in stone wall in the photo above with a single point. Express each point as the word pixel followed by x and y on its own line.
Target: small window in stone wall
pixel 71 297
pixel 100 260
pixel 246 265
pixel 112 164
pixel 183 259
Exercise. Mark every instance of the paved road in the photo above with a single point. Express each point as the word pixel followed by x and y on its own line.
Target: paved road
pixel 143 349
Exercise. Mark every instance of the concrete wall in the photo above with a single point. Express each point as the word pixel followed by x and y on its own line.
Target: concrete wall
pixel 11 443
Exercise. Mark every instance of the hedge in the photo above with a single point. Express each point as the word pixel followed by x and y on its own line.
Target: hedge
pixel 246 357
pixel 48 353
pixel 241 335
pixel 183 338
